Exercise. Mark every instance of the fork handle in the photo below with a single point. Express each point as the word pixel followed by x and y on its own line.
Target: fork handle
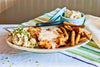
pixel 49 24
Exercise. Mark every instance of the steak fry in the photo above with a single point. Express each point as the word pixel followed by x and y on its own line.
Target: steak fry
pixel 72 25
pixel 77 38
pixel 73 38
pixel 65 33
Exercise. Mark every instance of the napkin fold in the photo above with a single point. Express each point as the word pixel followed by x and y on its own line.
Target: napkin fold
pixel 93 25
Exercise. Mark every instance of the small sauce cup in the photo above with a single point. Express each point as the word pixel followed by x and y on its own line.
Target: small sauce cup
pixel 79 21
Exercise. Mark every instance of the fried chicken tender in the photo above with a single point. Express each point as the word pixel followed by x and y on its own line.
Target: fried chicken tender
pixel 45 43
pixel 34 31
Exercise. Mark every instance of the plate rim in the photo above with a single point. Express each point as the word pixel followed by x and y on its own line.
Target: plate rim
pixel 44 50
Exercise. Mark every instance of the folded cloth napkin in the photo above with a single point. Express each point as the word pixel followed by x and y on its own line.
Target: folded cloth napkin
pixel 93 25
pixel 88 53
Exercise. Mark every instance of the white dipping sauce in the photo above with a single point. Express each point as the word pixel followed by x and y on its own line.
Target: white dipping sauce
pixel 48 34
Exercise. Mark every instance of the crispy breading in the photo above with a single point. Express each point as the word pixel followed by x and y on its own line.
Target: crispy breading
pixel 45 43
pixel 34 31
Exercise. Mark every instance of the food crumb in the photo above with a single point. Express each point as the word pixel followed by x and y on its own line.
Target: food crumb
pixel 6 58
pixel 2 59
pixel 3 63
pixel 12 63
pixel 10 66
pixel 37 62
pixel 8 61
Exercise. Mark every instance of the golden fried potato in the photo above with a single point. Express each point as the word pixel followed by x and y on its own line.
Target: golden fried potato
pixel 86 35
pixel 67 28
pixel 82 39
pixel 72 38
pixel 77 29
pixel 63 44
pixel 65 33
pixel 68 44
pixel 77 38
pixel 59 31
pixel 67 23
pixel 82 34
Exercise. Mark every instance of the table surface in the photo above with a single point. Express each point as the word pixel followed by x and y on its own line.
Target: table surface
pixel 18 58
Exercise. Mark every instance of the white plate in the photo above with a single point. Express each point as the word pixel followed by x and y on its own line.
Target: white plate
pixel 45 50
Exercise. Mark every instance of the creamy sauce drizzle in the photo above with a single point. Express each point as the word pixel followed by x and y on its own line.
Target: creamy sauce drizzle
pixel 48 34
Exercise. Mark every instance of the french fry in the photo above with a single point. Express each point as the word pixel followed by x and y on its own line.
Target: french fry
pixel 77 38
pixel 67 28
pixel 68 44
pixel 77 29
pixel 80 30
pixel 66 23
pixel 59 31
pixel 65 33
pixel 72 38
pixel 63 44
pixel 82 39
pixel 90 34
pixel 82 34
pixel 86 35
pixel 60 41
